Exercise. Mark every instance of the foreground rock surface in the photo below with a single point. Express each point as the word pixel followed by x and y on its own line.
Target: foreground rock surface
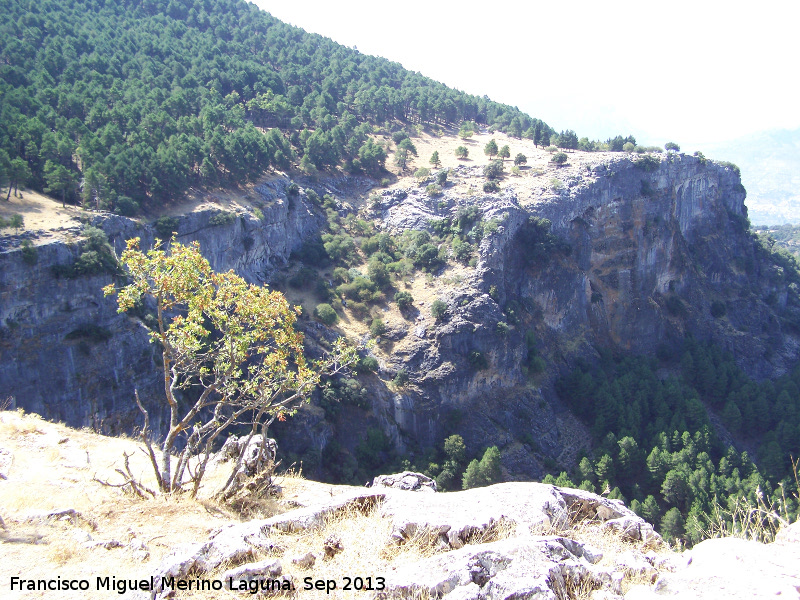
pixel 526 508
pixel 730 568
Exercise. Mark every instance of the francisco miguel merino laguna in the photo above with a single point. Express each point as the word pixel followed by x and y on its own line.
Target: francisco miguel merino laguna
pixel 121 586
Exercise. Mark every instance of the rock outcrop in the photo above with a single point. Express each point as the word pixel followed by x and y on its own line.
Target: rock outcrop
pixel 635 253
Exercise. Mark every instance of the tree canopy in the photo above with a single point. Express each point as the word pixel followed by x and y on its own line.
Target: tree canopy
pixel 156 96
pixel 233 344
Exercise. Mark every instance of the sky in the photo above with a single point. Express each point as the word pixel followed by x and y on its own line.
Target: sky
pixel 693 72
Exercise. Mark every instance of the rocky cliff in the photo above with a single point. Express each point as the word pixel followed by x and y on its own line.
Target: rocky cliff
pixel 610 251
pixel 66 353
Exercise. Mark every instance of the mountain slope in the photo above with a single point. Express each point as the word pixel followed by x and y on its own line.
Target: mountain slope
pixel 127 104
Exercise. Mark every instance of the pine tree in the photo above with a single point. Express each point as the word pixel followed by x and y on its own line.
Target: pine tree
pixel 435 159
pixel 491 149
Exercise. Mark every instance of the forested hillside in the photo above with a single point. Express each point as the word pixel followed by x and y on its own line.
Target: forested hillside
pixel 124 104
pixel 658 448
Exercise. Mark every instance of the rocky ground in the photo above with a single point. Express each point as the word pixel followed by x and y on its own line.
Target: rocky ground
pixel 399 537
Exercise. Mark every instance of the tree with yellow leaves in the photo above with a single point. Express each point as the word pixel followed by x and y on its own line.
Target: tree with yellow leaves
pixel 232 343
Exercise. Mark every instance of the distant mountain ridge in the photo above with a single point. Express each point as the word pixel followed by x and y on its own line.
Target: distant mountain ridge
pixel 770 164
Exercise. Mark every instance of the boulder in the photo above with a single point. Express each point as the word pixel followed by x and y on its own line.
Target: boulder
pixel 529 508
pixel 265 569
pixel 534 567
pixel 407 480
pixel 305 561
pixel 313 517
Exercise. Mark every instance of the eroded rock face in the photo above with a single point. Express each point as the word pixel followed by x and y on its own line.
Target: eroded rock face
pixel 49 367
pixel 407 480
pixel 541 568
pixel 523 509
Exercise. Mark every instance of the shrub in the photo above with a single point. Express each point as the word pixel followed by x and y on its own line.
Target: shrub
pixel 462 152
pixel 493 170
pixel 377 328
pixel 292 190
pixel 647 163
pixel 559 158
pixel 16 221
pixel 367 364
pixel 433 190
pixel 438 309
pixel 491 187
pixel 672 147
pixel 166 226
pixel 312 196
pixel 515 171
pixel 718 309
pixel 628 147
pixel 441 177
pixel 359 309
pixel 520 159
pixel 401 379
pixel 221 218
pixel 29 253
pixel 404 300
pixel 477 360
pixel 325 313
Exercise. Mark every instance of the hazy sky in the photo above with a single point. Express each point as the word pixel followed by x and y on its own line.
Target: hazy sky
pixel 688 71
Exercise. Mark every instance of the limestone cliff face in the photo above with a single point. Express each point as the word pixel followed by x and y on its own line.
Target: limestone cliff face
pixel 636 255
pixel 53 363
pixel 641 252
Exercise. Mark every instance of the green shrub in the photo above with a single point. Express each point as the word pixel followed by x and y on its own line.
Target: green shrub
pixel 401 379
pixel 17 221
pixel 438 309
pixel 367 364
pixel 441 177
pixel 559 158
pixel 503 328
pixel 493 170
pixel 221 218
pixel 477 360
pixel 30 255
pixel 341 275
pixel 312 196
pixel 491 187
pixel 404 300
pixel 166 226
pixel 422 173
pixel 647 163
pixel 359 309
pixel 433 190
pixel 377 328
pixel 325 313
pixel 718 309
